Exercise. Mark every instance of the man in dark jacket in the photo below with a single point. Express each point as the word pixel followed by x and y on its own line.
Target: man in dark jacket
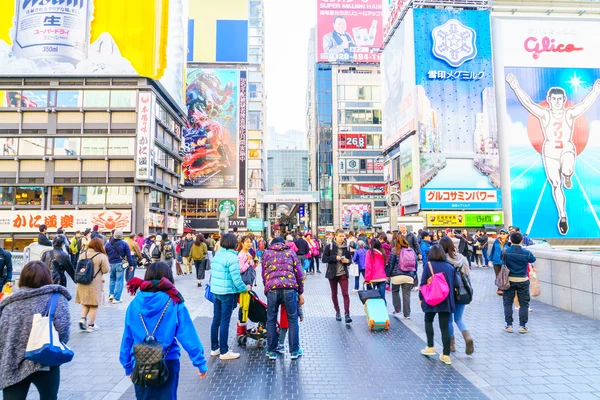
pixel 59 262
pixel 484 241
pixel 303 247
pixel 186 249
pixel 42 237
pixel 6 268
pixel 337 256
pixel 118 251
pixel 517 261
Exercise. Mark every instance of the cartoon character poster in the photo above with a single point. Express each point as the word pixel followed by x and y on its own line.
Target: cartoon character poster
pixel 552 125
pixel 212 99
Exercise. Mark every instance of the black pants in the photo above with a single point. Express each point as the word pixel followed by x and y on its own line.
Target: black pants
pixel 405 303
pixel 508 297
pixel 46 382
pixel 444 319
pixel 200 268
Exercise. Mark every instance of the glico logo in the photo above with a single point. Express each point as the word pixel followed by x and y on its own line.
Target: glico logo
pixel 547 45
pixel 68 3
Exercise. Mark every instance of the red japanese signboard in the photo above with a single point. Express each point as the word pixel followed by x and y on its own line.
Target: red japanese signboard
pixel 24 221
pixel 352 141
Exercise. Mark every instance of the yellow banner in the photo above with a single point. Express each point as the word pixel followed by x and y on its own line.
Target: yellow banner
pixel 446 220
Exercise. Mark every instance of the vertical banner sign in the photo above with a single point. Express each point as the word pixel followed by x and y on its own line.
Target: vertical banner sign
pixel 144 166
pixel 242 139
pixel 548 72
pixel 456 110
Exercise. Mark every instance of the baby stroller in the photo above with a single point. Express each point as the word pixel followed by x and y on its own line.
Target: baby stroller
pixel 254 309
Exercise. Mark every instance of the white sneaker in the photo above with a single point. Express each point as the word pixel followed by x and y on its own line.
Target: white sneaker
pixel 214 353
pixel 111 297
pixel 117 301
pixel 230 355
pixel 92 328
pixel 517 308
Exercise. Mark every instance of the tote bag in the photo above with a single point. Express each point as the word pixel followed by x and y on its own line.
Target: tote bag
pixel 535 288
pixel 502 281
pixel 436 290
pixel 44 346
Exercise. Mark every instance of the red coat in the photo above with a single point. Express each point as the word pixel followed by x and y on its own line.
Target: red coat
pixel 375 266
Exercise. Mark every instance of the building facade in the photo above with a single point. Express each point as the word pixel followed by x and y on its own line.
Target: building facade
pixel 79 152
pixel 288 171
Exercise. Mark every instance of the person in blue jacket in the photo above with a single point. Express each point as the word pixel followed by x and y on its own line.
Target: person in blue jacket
pixel 359 259
pixel 226 284
pixel 425 245
pixel 496 254
pixel 117 250
pixel 157 294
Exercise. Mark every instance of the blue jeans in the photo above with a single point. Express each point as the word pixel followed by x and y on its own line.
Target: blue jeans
pixel 485 255
pixel 381 287
pixel 457 317
pixel 130 272
pixel 224 304
pixel 116 280
pixel 289 298
pixel 357 278
pixel 167 390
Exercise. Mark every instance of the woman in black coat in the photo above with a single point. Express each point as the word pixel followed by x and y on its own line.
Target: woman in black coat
pixel 59 262
pixel 437 262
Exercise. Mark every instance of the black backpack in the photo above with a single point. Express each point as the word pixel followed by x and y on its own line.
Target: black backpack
pixel 84 273
pixel 156 252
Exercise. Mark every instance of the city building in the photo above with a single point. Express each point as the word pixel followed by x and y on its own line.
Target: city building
pixel 69 157
pixel 288 171
pixel 290 139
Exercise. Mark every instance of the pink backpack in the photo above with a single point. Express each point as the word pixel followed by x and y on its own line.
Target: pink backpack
pixel 407 261
pixel 436 290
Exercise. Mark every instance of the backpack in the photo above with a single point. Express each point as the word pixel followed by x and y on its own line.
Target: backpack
pixel 84 272
pixel 156 252
pixel 407 260
pixel 168 250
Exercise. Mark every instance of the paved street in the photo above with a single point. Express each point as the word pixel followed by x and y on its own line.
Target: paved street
pixel 557 360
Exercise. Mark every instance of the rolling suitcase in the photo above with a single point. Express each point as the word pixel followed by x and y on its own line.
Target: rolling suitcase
pixel 377 315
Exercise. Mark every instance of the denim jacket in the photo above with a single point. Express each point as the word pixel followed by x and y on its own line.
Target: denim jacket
pixel 517 260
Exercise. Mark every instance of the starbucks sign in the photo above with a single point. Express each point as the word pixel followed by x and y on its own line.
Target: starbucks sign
pixel 227 206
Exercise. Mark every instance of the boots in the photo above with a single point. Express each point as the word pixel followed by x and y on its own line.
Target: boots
pixel 468 342
pixel 452 345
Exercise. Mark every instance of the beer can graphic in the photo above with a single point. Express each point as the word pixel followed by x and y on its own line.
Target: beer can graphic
pixel 52 30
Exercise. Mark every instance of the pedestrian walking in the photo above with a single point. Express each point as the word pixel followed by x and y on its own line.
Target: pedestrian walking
pixel 186 248
pixel 425 245
pixel 210 244
pixel 386 246
pixel 359 260
pixel 303 248
pixel 461 265
pixel 43 236
pixel 91 296
pixel 198 255
pixel 136 256
pixel 483 241
pixel 59 262
pixel 517 262
pixel 226 284
pixel 337 257
pixel 413 243
pixel 375 262
pixel 401 271
pixel 289 241
pixel 75 247
pixel 313 253
pixel 140 240
pixel 6 269
pixel 16 319
pixel 158 310
pixel 437 262
pixel 154 248
pixel 167 250
pixel 283 279
pixel 496 255
pixel 119 257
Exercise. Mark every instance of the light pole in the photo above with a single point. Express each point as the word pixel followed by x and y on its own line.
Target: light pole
pixel 223 223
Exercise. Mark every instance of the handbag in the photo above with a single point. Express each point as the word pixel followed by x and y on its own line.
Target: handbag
pixel 534 289
pixel 44 345
pixel 150 367
pixel 436 290
pixel 502 281
pixel 178 268
pixel 354 270
pixel 207 292
pixel 306 263
pixel 365 295
pixel 463 294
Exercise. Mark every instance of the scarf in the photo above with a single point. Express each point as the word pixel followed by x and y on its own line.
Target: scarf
pixel 164 285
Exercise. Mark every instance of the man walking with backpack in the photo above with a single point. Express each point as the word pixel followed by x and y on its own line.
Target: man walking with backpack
pixel 186 248
pixel 168 250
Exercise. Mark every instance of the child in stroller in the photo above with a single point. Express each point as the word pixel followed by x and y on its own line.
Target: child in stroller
pixel 256 311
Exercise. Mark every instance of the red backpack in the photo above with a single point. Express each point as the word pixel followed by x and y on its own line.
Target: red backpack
pixel 407 261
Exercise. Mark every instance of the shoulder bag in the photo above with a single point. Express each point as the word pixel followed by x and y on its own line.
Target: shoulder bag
pixel 436 290
pixel 502 281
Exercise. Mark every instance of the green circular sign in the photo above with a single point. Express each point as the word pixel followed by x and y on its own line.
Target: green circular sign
pixel 227 206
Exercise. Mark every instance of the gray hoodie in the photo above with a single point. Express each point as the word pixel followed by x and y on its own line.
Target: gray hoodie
pixel 16 317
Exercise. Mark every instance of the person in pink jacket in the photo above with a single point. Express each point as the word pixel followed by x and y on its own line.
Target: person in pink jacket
pixel 289 242
pixel 375 262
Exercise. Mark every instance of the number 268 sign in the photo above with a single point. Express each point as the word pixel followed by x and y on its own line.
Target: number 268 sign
pixel 353 141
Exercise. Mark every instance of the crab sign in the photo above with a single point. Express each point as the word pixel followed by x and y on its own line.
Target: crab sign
pixel 109 223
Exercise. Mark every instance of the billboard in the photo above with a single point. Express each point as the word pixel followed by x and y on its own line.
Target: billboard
pixel 456 110
pixel 363 211
pixel 211 131
pixel 349 32
pixel 408 166
pixel 146 126
pixel 218 31
pixel 549 83
pixel 29 221
pixel 95 38
pixel 398 69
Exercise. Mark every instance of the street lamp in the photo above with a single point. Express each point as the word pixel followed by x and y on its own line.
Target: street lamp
pixel 223 223
pixel 355 221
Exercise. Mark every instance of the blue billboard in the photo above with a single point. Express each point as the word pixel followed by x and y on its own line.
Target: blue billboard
pixel 456 110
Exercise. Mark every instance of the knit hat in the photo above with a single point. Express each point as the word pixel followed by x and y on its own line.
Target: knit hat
pixel 118 234
pixel 278 240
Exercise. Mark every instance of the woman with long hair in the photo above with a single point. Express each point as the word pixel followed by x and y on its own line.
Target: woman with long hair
pixel 199 254
pixel 401 271
pixel 375 262
pixel 92 295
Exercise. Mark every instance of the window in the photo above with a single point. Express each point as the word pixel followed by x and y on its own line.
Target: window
pixel 9 146
pixel 32 146
pixel 66 146
pixel 121 146
pixel 29 195
pixel 7 195
pixel 123 98
pixel 92 195
pixel 254 120
pixel 254 90
pixel 34 98
pixel 351 92
pixel 254 149
pixel 93 147
pixel 69 98
pixel 189 208
pixel 157 199
pixel 119 195
pixel 64 195
pixel 360 117
pixel 96 98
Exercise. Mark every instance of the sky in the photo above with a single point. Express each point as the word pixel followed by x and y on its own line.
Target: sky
pixel 287 30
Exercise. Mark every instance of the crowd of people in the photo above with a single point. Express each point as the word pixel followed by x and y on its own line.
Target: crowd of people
pixel 157 314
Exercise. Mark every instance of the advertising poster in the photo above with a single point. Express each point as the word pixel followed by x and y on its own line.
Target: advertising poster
pixel 211 131
pixel 87 38
pixel 349 31
pixel 551 121
pixel 398 69
pixel 361 209
pixel 456 110
pixel 29 221
pixel 407 172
